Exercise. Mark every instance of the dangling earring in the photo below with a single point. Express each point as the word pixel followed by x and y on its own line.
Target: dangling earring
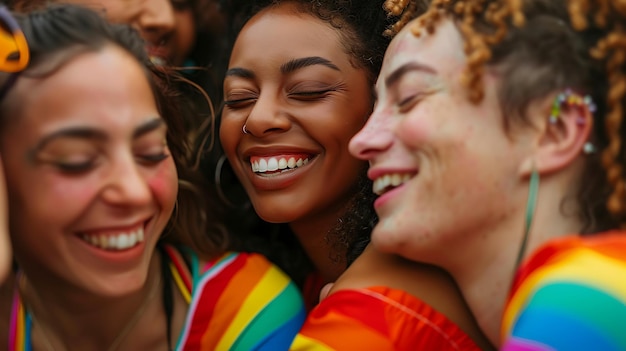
pixel 531 204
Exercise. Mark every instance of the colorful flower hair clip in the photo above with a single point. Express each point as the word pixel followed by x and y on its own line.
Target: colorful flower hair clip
pixel 569 99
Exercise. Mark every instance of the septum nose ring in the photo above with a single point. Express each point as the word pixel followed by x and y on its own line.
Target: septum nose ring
pixel 244 130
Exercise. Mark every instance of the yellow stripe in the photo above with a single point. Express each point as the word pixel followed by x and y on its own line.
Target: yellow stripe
pixel 270 285
pixel 180 284
pixel 21 326
pixel 581 265
pixel 303 343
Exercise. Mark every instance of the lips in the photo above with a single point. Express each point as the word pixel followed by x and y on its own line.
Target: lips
pixel 158 54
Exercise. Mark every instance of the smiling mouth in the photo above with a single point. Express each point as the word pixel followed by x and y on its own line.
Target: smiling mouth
pixel 273 165
pixel 390 181
pixel 115 241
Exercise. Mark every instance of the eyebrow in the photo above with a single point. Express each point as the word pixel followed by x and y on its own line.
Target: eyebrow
pixel 299 63
pixel 240 72
pixel 407 67
pixel 95 134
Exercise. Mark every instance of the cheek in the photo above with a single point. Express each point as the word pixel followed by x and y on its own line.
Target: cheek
pixel 185 32
pixel 230 135
pixel 164 184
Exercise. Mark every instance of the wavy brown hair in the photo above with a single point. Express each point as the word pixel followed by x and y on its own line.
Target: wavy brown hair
pixel 58 33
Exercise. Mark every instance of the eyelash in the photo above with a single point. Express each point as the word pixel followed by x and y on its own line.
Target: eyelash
pixel 81 167
pixel 237 103
pixel 410 102
pixel 303 95
pixel 313 94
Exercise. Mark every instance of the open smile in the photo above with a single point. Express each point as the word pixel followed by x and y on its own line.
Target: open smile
pixel 278 164
pixel 115 240
pixel 390 181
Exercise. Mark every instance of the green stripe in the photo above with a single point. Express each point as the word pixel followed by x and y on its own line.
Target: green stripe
pixel 279 311
pixel 585 303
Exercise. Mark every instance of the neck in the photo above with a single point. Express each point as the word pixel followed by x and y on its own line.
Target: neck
pixel 311 234
pixel 68 318
pixel 486 283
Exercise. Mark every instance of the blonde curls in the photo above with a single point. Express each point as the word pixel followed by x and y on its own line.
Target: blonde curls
pixel 406 10
pixel 477 45
pixel 611 49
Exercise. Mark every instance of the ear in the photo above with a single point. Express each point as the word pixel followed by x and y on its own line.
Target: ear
pixel 561 133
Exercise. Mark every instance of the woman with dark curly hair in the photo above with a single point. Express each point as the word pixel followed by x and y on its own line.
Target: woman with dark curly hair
pixel 505 118
pixel 297 88
pixel 108 229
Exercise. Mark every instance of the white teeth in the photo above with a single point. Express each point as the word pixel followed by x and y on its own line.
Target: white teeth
pixel 382 184
pixel 118 242
pixel 157 61
pixel 271 164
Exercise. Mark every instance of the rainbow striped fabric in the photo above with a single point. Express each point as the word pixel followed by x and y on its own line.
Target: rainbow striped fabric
pixel 570 295
pixel 378 318
pixel 238 302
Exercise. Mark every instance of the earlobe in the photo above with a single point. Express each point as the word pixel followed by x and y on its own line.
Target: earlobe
pixel 563 134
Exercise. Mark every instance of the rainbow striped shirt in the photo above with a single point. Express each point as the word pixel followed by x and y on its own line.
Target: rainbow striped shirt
pixel 570 295
pixel 239 302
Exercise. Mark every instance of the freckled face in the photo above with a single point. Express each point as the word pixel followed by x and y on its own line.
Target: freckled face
pixel 455 166
pixel 293 86
pixel 91 180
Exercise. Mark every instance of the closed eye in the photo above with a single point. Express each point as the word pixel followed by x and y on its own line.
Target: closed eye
pixel 409 102
pixel 74 167
pixel 312 94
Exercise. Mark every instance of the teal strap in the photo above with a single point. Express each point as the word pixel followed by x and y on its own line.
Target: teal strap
pixel 531 204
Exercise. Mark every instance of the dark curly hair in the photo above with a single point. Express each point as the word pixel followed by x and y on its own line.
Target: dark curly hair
pixel 361 25
pixel 58 33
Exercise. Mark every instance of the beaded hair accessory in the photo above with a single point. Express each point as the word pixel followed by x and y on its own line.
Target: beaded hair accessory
pixel 569 99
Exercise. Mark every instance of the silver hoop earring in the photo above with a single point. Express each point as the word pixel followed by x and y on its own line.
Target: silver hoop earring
pixel 244 130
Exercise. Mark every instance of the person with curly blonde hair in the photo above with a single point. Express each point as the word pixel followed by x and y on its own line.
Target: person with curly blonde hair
pixel 496 150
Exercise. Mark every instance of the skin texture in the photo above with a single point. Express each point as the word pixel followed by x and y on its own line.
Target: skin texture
pixel 115 175
pixel 462 203
pixel 309 111
pixel 169 31
pixel 444 142
pixel 183 37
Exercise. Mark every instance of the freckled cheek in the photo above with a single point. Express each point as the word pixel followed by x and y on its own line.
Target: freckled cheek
pixel 163 183
pixel 414 130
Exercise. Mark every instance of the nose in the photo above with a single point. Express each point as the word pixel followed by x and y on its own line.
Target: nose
pixel 267 117
pixel 375 137
pixel 156 19
pixel 127 185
